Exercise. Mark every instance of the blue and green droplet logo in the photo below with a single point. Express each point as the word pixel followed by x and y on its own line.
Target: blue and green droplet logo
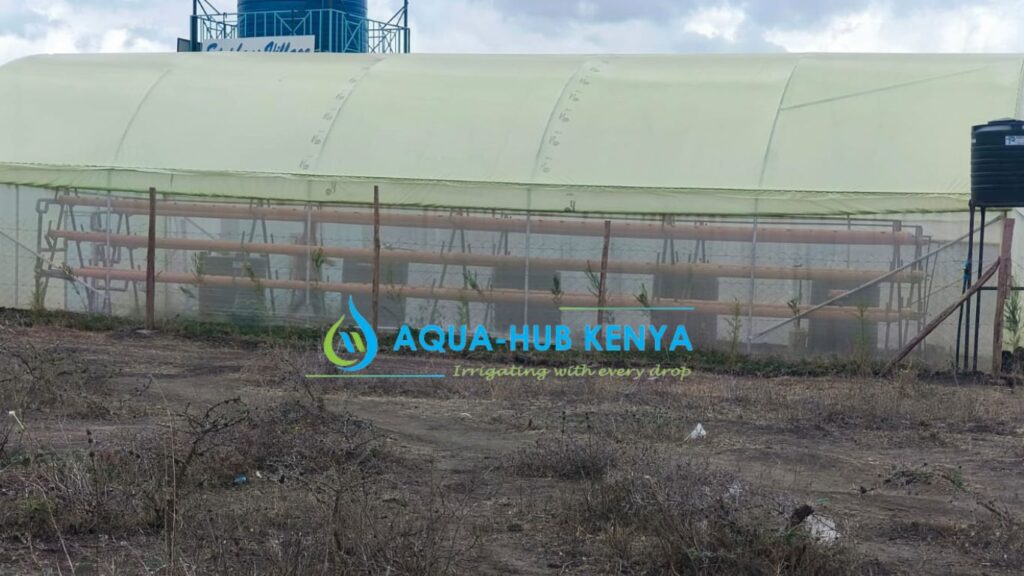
pixel 352 343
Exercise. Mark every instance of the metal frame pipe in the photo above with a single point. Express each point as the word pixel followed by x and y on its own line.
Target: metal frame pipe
pixel 489 295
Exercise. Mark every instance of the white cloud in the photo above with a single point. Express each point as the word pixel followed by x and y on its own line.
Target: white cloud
pixel 56 26
pixel 561 26
pixel 477 26
pixel 716 22
pixel 992 27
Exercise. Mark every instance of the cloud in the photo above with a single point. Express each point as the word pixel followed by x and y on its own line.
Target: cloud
pixel 717 22
pixel 582 26
pixel 565 26
pixel 57 26
pixel 988 27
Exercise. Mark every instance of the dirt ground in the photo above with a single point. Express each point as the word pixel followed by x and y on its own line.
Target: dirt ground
pixel 918 476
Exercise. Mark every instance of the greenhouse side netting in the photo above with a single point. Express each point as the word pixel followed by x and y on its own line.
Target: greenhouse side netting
pixel 798 287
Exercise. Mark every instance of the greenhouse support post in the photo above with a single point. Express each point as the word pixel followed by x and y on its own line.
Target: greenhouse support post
pixel 977 300
pixel 151 263
pixel 17 243
pixel 1002 291
pixel 753 282
pixel 602 285
pixel 376 257
pixel 965 297
pixel 108 308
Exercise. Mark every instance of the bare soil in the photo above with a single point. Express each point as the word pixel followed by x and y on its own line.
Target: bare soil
pixel 919 476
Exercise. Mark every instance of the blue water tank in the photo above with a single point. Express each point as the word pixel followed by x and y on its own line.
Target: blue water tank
pixel 354 8
pixel 246 6
pixel 338 25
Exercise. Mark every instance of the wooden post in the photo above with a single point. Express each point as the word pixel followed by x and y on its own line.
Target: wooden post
pixel 602 287
pixel 151 264
pixel 965 297
pixel 1002 291
pixel 376 257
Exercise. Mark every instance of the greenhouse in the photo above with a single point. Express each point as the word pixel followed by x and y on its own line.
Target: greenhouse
pixel 800 204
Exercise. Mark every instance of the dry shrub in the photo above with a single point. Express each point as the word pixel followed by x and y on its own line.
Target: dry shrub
pixel 565 456
pixel 51 495
pixel 317 495
pixel 689 518
pixel 53 379
pixel 292 438
pixel 344 522
pixel 265 528
pixel 377 530
pixel 994 539
pixel 997 539
pixel 138 481
pixel 866 404
pixel 284 366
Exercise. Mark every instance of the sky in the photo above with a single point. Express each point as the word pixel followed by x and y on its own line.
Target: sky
pixel 565 26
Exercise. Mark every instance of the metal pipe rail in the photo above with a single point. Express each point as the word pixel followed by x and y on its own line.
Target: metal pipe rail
pixel 579 227
pixel 487 295
pixel 486 260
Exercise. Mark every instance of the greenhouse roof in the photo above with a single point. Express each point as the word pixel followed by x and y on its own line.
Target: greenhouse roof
pixel 677 134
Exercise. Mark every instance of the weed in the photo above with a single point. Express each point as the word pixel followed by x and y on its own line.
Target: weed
pixel 863 345
pixel 556 289
pixel 199 266
pixel 642 298
pixel 35 378
pixel 734 322
pixel 565 456
pixel 318 259
pixel 658 516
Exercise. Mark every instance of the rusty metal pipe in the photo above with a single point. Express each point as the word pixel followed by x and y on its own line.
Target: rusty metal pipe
pixel 487 260
pixel 577 227
pixel 495 295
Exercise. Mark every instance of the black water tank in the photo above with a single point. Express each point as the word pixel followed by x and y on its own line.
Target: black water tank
pixel 997 164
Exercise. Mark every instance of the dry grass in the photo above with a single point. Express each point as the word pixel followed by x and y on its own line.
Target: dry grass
pixel 683 517
pixel 53 379
pixel 268 472
pixel 287 488
pixel 565 456
pixel 663 410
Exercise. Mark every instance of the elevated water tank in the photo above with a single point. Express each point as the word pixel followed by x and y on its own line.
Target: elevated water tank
pixel 997 164
pixel 337 25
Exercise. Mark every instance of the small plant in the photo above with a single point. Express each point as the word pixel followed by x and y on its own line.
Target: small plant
pixel 469 280
pixel 1013 318
pixel 642 298
pixel 862 344
pixel 556 289
pixel 956 478
pixel 318 259
pixel 798 337
pixel 735 325
pixel 463 311
pixel 198 266
pixel 392 288
pixel 565 456
pixel 39 296
pixel 66 270
pixel 250 272
pixel 593 281
pixel 794 308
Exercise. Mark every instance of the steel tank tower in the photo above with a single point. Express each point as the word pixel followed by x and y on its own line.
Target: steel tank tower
pixel 340 26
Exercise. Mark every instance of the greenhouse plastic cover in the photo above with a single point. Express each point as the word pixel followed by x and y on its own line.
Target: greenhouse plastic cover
pixel 672 134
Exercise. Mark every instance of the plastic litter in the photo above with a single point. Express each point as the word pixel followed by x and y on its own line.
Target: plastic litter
pixel 822 528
